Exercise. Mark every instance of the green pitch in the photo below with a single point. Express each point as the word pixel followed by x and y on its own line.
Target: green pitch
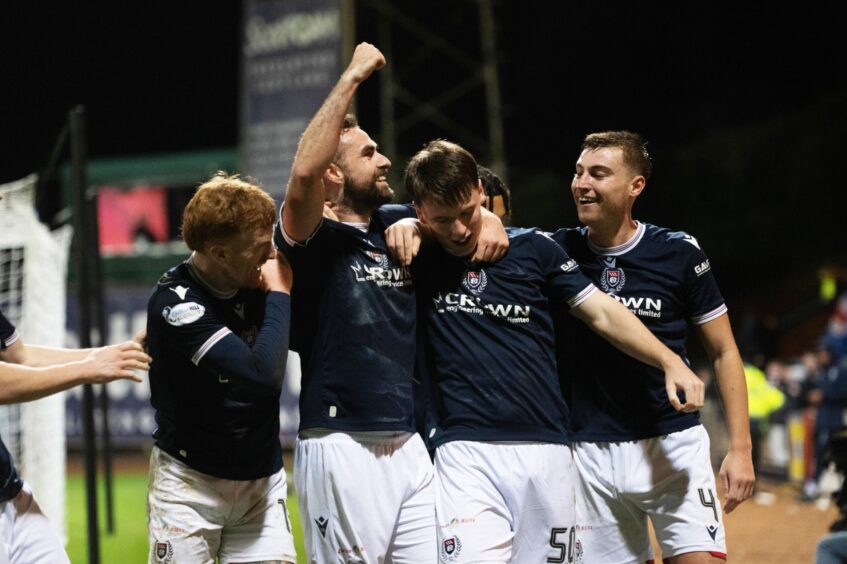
pixel 128 545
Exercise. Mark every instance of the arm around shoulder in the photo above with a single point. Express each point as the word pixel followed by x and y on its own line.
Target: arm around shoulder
pixel 615 323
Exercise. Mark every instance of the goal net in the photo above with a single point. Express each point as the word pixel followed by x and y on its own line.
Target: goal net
pixel 33 263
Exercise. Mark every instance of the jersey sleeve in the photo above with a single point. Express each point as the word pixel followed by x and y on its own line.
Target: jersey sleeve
pixel 8 333
pixel 566 282
pixel 392 213
pixel 190 326
pixel 283 242
pixel 262 366
pixel 703 299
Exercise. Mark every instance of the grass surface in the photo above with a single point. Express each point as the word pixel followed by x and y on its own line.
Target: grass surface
pixel 128 544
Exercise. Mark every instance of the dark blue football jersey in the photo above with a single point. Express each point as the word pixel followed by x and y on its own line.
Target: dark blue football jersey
pixel 10 481
pixel 216 376
pixel 490 340
pixel 664 278
pixel 353 324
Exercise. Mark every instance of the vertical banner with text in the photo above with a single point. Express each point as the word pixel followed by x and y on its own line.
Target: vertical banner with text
pixel 290 56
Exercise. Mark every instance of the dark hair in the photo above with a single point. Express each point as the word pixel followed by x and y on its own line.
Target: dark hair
pixel 441 172
pixel 494 186
pixel 350 122
pixel 634 148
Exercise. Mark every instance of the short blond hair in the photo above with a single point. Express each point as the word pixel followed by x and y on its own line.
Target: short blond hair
pixel 224 207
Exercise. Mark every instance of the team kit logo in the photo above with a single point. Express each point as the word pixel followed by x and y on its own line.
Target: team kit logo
pixel 451 548
pixel 613 277
pixel 379 257
pixel 379 270
pixel 475 282
pixel 164 551
pixel 183 314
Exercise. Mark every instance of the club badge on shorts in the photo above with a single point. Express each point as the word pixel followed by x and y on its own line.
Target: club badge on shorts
pixel 164 551
pixel 450 549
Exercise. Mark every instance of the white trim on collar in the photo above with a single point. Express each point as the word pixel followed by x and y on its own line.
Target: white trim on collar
pixel 623 247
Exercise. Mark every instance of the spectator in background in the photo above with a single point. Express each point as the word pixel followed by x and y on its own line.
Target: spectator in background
pixel 763 399
pixel 830 399
pixel 835 337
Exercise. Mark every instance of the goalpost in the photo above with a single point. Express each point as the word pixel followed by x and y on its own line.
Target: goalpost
pixel 33 265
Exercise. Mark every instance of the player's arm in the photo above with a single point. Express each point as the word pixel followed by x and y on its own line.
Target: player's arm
pixel 20 383
pixel 403 239
pixel 261 367
pixel 493 241
pixel 621 328
pixel 737 466
pixel 304 199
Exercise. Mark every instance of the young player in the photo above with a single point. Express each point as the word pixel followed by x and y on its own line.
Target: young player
pixel 29 373
pixel 504 484
pixel 636 456
pixel 217 326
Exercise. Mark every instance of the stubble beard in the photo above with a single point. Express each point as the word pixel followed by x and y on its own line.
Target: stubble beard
pixel 366 197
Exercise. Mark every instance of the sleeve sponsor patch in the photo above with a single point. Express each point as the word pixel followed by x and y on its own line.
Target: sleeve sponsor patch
pixel 183 314
pixel 570 265
pixel 702 268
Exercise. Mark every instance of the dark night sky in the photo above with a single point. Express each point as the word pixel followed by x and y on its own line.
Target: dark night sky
pixel 163 76
pixel 728 95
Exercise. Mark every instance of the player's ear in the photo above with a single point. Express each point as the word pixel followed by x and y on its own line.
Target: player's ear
pixel 217 251
pixel 333 182
pixel 334 174
pixel 421 213
pixel 637 186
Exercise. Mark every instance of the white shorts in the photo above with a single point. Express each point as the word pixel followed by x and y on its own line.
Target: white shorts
pixel 365 497
pixel 668 478
pixel 197 518
pixel 504 502
pixel 25 534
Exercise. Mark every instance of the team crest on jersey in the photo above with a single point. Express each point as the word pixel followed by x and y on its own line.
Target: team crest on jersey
pixel 450 549
pixel 379 258
pixel 164 551
pixel 612 279
pixel 183 314
pixel 475 282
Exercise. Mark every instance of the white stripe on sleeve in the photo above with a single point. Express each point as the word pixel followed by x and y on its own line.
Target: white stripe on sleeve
pixel 210 342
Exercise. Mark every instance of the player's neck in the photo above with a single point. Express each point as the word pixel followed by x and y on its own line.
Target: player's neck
pixel 612 235
pixel 347 214
pixel 211 275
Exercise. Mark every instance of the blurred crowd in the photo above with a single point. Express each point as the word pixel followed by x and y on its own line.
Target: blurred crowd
pixel 811 388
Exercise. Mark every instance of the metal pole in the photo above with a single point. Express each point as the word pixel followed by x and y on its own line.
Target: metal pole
pixel 348 36
pixel 388 133
pixel 80 182
pixel 96 281
pixel 497 145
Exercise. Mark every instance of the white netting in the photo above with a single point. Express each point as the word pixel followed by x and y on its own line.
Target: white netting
pixel 33 263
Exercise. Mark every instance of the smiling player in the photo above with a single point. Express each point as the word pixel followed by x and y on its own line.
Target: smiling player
pixel 636 456
pixel 504 482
